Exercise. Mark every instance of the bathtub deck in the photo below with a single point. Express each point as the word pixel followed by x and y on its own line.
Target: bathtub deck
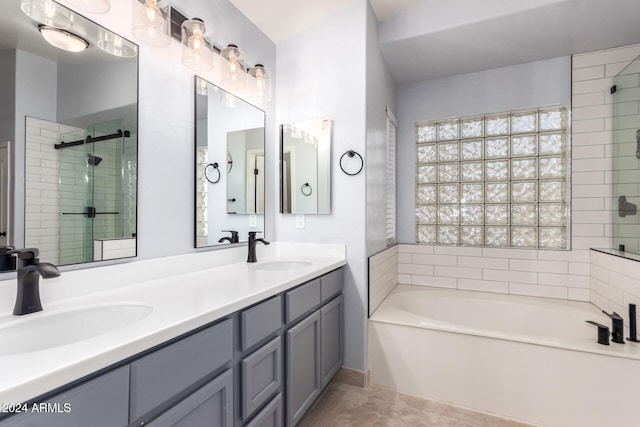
pixel 343 405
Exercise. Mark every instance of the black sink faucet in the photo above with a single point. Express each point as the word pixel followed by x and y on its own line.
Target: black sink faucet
pixel 29 271
pixel 231 239
pixel 252 245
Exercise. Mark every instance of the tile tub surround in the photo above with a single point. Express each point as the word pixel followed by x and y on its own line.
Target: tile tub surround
pixel 185 292
pixel 383 276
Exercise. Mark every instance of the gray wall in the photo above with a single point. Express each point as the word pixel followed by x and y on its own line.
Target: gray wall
pixel 381 93
pixel 322 71
pixel 535 84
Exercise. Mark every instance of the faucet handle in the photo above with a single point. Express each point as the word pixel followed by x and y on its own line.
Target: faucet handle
pixel 27 254
pixel 603 332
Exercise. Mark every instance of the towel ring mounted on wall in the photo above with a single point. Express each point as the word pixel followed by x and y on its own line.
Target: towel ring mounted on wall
pixel 306 189
pixel 351 153
pixel 206 172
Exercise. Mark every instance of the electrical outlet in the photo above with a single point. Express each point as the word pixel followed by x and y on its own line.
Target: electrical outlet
pixel 253 221
pixel 299 221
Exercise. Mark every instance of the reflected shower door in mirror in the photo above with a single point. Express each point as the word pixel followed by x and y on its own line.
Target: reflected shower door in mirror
pixel 305 161
pixel 56 198
pixel 229 167
pixel 626 159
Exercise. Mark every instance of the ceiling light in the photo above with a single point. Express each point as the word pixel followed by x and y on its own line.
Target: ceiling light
pixel 260 84
pixel 196 53
pixel 151 22
pixel 115 45
pixel 93 6
pixel 63 39
pixel 47 12
pixel 234 73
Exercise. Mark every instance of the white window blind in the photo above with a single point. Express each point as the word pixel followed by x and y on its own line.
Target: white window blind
pixel 391 177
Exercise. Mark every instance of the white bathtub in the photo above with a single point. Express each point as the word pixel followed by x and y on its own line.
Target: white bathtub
pixel 531 359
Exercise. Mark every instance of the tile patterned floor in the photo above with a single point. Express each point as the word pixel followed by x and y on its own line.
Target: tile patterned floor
pixel 343 405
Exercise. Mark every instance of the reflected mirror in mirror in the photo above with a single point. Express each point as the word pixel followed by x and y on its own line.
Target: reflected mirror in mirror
pixel 229 166
pixel 305 155
pixel 68 131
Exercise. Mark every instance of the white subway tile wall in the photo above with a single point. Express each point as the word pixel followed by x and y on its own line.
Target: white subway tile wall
pixel 383 276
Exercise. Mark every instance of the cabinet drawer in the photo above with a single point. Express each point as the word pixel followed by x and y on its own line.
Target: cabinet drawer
pixel 260 321
pixel 270 416
pixel 261 376
pixel 210 406
pixel 161 376
pixel 101 402
pixel 302 299
pixel 331 284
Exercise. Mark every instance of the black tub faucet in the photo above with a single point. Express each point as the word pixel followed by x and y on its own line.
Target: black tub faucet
pixel 29 271
pixel 253 241
pixel 231 239
pixel 617 327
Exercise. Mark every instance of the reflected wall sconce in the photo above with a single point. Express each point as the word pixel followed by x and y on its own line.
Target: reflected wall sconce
pixel 92 6
pixel 48 13
pixel 260 84
pixel 151 22
pixel 196 53
pixel 234 73
pixel 115 45
pixel 63 39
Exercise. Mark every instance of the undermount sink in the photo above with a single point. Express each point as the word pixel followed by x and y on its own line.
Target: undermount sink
pixel 45 330
pixel 281 265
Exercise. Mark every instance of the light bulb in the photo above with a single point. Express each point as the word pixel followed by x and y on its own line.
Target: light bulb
pixel 196 54
pixel 151 22
pixel 151 13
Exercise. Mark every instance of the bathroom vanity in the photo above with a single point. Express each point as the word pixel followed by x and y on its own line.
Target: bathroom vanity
pixel 261 364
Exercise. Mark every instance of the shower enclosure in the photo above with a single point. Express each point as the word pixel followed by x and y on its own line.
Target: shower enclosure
pixel 97 190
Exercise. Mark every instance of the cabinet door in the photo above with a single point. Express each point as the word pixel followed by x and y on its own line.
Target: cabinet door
pixel 332 339
pixel 209 406
pixel 270 416
pixel 100 402
pixel 261 374
pixel 302 367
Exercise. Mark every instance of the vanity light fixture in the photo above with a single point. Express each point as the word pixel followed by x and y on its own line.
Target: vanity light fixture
pixel 92 6
pixel 115 45
pixel 234 73
pixel 151 23
pixel 63 39
pixel 196 53
pixel 47 12
pixel 260 84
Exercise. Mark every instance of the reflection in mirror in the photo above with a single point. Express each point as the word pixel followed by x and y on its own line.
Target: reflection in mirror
pixel 305 157
pixel 73 116
pixel 229 200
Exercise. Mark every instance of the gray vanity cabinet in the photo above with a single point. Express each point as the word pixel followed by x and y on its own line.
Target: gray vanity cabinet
pixel 100 402
pixel 261 374
pixel 302 367
pixel 210 406
pixel 270 416
pixel 331 339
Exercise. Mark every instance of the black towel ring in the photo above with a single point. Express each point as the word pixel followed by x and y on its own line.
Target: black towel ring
pixel 306 185
pixel 352 153
pixel 206 172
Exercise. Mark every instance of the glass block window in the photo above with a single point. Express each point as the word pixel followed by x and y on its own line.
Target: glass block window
pixel 497 180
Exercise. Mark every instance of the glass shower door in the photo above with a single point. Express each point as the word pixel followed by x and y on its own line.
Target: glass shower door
pixel 626 158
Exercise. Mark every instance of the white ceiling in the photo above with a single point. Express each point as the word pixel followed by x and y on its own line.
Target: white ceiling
pixel 427 39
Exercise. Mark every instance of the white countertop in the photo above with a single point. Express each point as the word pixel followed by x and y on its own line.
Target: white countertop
pixel 185 292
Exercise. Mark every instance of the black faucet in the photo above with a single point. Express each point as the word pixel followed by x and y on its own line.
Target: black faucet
pixel 603 332
pixel 231 239
pixel 617 327
pixel 29 272
pixel 252 245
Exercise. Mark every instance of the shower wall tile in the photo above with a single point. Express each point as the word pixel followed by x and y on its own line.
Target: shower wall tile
pixel 384 274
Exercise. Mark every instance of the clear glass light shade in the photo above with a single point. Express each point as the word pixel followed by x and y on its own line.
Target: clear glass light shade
pixel 48 13
pixel 63 39
pixel 234 73
pixel 115 45
pixel 196 53
pixel 92 6
pixel 260 84
pixel 151 22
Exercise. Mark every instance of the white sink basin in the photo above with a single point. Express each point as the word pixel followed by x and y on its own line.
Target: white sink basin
pixel 44 330
pixel 281 265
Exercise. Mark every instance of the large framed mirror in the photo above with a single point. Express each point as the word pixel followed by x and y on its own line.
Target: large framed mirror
pixel 68 140
pixel 229 165
pixel 305 162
